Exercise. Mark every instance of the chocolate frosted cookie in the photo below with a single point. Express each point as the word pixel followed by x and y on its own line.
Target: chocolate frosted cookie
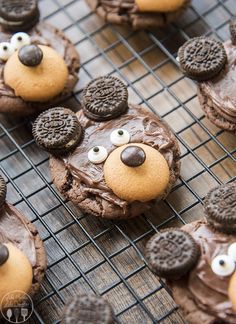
pixel 212 64
pixel 120 166
pixel 37 70
pixel 88 309
pixel 205 289
pixel 22 254
pixel 18 15
pixel 140 14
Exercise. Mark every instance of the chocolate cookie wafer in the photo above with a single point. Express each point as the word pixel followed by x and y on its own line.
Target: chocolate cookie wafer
pixel 105 98
pixel 172 253
pixel 220 208
pixel 88 309
pixel 18 15
pixel 202 58
pixel 57 130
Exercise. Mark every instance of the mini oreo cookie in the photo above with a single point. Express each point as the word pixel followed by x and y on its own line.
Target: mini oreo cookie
pixel 20 26
pixel 88 309
pixel 172 253
pixel 220 208
pixel 4 254
pixel 105 98
pixel 18 10
pixel 3 191
pixel 232 29
pixel 202 58
pixel 18 15
pixel 57 130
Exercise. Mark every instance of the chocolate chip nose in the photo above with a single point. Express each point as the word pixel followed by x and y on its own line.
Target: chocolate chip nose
pixel 4 254
pixel 133 156
pixel 30 55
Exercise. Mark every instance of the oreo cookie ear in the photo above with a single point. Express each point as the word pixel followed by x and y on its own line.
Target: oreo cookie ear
pixel 57 131
pixel 105 98
pixel 202 58
pixel 3 191
pixel 220 208
pixel 232 29
pixel 172 253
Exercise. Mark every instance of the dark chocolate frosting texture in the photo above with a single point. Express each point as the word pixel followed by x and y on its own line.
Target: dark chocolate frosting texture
pixel 208 291
pixel 220 91
pixel 144 127
pixel 14 230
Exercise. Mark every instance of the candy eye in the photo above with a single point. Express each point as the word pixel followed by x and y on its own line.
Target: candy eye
pixel 6 50
pixel 232 251
pixel 19 40
pixel 223 265
pixel 97 154
pixel 120 137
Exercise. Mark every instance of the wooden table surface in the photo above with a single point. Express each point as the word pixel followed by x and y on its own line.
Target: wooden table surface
pixel 106 257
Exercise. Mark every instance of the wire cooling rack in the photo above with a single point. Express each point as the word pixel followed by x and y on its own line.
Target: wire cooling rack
pixel 86 254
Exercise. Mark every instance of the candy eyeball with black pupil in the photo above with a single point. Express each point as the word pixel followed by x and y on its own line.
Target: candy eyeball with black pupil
pixel 97 154
pixel 19 40
pixel 6 50
pixel 120 137
pixel 223 265
pixel 232 251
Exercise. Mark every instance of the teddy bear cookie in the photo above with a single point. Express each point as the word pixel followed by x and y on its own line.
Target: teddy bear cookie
pixel 22 255
pixel 112 159
pixel 139 14
pixel 38 69
pixel 198 261
pixel 212 64
pixel 88 309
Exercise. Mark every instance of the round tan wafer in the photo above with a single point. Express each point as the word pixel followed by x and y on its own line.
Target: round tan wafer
pixel 159 6
pixel 142 183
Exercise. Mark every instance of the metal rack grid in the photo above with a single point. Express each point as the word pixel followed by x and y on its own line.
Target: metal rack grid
pixel 107 257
